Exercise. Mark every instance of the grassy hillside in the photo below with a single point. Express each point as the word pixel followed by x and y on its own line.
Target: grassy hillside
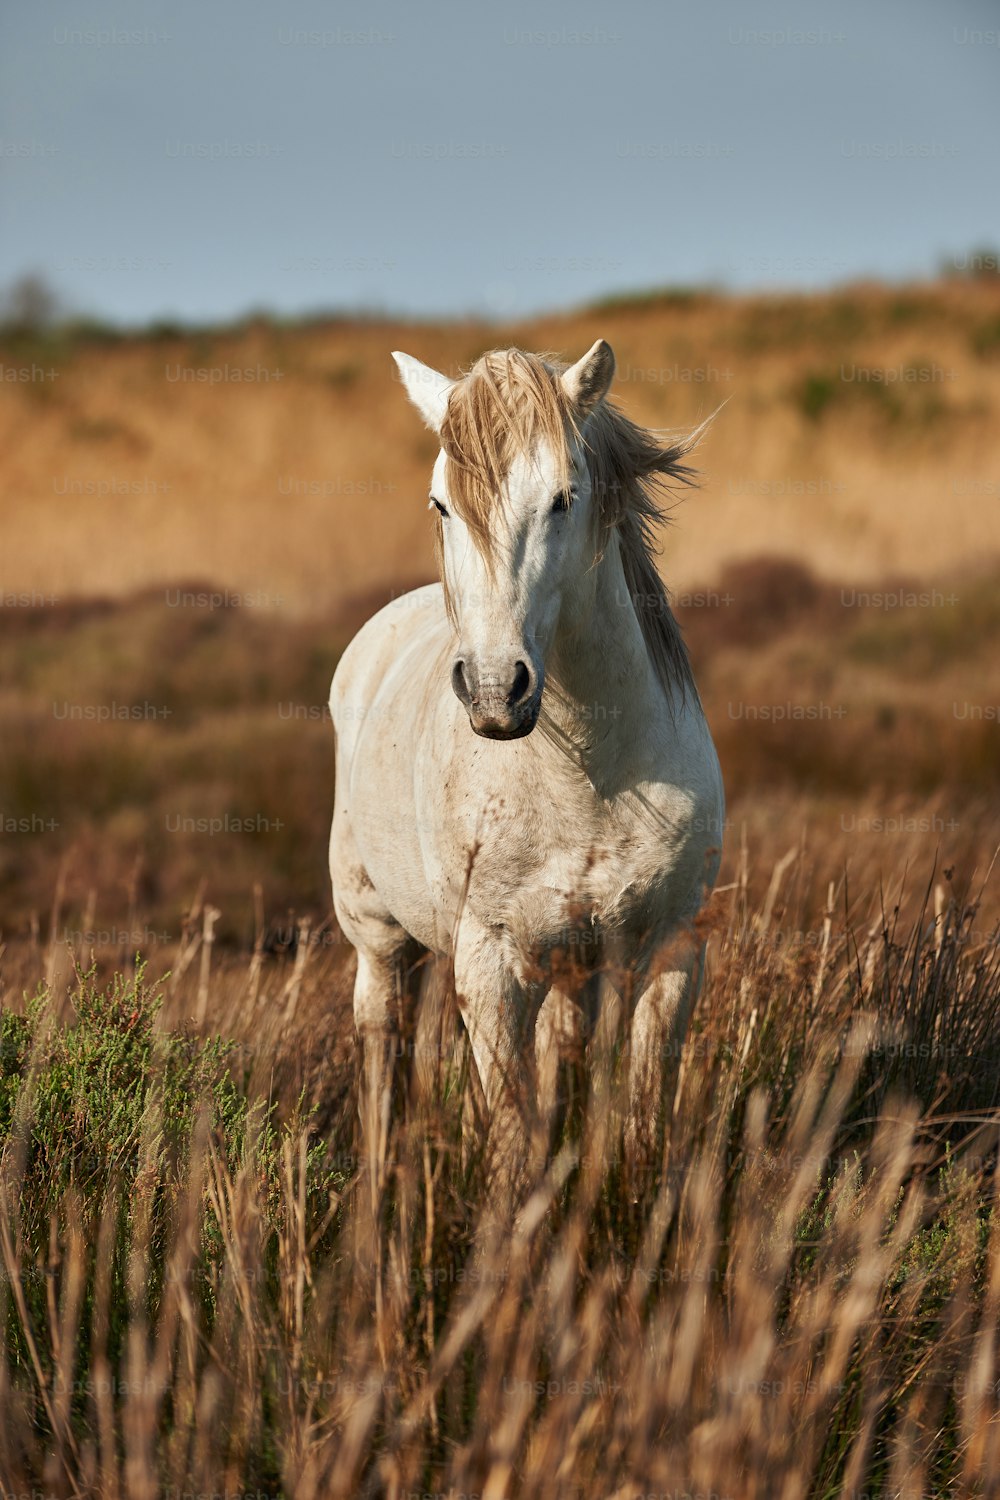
pixel 860 436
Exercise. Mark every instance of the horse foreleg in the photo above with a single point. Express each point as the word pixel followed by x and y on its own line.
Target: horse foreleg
pixel 499 1012
pixel 375 1008
pixel 659 1026
pixel 559 1033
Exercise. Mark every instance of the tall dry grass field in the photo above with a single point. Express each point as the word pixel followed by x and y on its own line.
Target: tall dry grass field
pixel 795 1293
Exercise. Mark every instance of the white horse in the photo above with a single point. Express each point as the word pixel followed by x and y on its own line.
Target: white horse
pixel 523 765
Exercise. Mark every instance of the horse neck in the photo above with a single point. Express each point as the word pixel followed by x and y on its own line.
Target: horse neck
pixel 605 683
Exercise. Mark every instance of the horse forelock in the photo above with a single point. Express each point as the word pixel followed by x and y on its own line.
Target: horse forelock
pixel 508 404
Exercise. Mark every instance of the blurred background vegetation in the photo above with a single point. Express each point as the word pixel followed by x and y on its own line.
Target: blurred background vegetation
pixel 197 519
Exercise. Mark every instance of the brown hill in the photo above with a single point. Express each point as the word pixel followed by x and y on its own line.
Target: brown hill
pixel 859 435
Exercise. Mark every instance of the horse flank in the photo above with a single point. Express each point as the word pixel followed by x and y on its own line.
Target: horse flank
pixel 511 400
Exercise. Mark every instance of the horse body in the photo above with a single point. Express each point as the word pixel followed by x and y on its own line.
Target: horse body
pixel 593 833
pixel 532 844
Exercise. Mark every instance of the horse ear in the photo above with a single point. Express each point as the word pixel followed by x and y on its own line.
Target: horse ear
pixel 586 382
pixel 428 389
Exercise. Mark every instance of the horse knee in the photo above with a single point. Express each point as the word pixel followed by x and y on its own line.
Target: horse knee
pixel 375 996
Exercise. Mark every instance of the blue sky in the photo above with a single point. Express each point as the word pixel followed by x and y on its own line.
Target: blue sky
pixel 201 158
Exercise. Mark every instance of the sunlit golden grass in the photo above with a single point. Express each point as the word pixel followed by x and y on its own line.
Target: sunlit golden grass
pixel 306 483
pixel 797 1294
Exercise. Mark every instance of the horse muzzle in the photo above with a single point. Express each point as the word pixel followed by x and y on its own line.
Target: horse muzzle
pixel 501 705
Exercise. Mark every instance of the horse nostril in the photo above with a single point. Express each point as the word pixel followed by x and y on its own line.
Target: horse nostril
pixel 459 683
pixel 521 686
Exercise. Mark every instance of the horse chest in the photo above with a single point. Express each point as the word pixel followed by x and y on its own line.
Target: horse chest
pixel 552 873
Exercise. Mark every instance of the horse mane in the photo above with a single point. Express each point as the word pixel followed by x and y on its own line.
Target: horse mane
pixel 506 404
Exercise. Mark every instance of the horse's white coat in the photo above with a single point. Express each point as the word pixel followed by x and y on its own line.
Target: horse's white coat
pixel 597 832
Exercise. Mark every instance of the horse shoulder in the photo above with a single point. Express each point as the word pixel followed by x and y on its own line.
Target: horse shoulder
pixel 671 813
pixel 377 646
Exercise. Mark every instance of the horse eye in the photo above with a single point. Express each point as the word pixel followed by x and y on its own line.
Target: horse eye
pixel 442 510
pixel 560 503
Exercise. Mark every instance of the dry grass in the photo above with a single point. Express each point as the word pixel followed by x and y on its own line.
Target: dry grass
pixel 796 1295
pixel 230 786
